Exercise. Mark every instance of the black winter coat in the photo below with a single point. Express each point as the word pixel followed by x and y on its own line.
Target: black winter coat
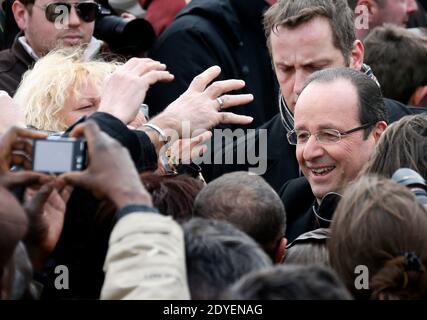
pixel 227 33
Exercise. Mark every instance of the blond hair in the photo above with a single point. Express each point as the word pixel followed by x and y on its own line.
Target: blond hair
pixel 52 81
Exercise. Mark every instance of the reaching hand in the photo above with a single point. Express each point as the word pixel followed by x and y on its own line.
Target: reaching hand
pixel 202 105
pixel 125 89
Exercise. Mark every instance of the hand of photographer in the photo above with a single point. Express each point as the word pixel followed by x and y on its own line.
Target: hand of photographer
pixel 13 225
pixel 125 89
pixel 45 210
pixel 16 149
pixel 111 173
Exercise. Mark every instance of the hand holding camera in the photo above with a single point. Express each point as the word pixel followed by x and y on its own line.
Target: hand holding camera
pixel 111 173
pixel 45 208
pixel 16 151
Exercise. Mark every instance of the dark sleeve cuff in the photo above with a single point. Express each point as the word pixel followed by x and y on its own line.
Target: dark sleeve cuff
pixel 132 208
pixel 138 143
pixel 149 161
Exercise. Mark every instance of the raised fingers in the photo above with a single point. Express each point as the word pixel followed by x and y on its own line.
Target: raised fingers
pixel 201 81
pixel 140 66
pixel 156 76
pixel 144 67
pixel 235 100
pixel 219 87
pixel 232 118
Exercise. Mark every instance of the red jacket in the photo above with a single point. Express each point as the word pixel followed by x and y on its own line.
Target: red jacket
pixel 160 13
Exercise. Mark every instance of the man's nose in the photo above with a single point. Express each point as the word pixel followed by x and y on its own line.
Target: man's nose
pixel 73 17
pixel 312 149
pixel 411 6
pixel 300 78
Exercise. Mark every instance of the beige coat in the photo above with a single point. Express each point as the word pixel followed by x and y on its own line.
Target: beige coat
pixel 146 259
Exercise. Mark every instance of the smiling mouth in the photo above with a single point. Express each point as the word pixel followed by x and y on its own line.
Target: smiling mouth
pixel 322 171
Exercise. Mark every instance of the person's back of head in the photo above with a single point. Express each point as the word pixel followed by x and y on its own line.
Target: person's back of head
pixel 172 195
pixel 247 202
pixel 289 282
pixel 402 145
pixel 378 243
pixel 390 46
pixel 309 249
pixel 218 255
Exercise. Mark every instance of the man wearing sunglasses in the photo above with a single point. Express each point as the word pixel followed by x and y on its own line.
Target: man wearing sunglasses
pixel 46 25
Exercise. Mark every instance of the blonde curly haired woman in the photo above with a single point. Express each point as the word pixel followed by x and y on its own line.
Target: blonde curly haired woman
pixel 63 86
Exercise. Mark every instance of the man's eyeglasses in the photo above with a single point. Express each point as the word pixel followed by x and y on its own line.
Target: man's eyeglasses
pixel 87 11
pixel 324 136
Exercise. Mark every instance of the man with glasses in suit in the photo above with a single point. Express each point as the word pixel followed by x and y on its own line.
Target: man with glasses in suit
pixel 339 116
pixel 46 25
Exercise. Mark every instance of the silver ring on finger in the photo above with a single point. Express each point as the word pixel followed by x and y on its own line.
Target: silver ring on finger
pixel 220 102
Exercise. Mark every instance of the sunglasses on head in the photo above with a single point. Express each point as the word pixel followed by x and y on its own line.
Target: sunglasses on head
pixel 87 11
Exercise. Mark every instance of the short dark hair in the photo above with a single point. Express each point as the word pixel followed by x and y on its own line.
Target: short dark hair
pixel 218 255
pixel 172 195
pixel 375 224
pixel 370 100
pixel 290 282
pixel 402 145
pixel 293 13
pixel 247 202
pixel 352 4
pixel 389 46
pixel 309 249
pixel 27 2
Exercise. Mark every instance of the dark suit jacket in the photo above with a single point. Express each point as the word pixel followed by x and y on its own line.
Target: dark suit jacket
pixel 303 212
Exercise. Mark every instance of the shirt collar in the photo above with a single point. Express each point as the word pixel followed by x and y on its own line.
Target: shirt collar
pixel 91 51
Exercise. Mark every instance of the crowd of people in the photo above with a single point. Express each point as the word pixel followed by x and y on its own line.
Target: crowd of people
pixel 331 97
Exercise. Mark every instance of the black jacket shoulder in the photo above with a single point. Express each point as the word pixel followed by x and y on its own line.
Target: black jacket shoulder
pixel 14 62
pixel 397 110
pixel 272 149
